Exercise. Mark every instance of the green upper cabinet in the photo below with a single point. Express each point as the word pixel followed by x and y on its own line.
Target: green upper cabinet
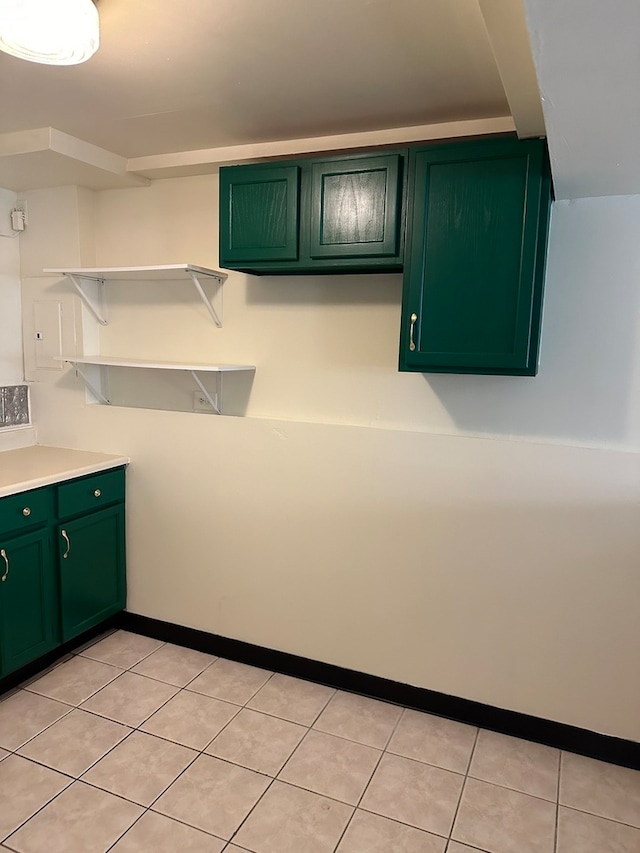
pixel 355 209
pixel 337 214
pixel 259 209
pixel 474 271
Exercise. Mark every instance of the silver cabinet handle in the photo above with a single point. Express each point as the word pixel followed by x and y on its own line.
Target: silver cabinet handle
pixel 414 319
pixel 66 539
pixel 26 512
pixel 97 493
pixel 3 554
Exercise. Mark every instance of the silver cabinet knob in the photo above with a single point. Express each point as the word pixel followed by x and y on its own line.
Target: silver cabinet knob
pixel 97 493
pixel 26 512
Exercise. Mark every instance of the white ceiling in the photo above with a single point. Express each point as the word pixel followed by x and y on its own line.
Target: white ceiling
pixel 176 75
pixel 178 87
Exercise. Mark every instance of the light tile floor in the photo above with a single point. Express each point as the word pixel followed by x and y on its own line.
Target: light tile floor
pixel 133 745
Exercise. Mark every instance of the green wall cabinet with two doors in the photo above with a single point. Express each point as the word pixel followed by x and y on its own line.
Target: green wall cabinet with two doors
pixel 336 214
pixel 62 564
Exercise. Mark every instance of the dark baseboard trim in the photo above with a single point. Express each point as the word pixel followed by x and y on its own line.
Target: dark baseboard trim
pixel 614 750
pixel 37 666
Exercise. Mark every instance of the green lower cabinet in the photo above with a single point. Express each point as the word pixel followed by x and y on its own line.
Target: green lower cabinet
pixel 475 261
pixel 92 569
pixel 27 599
pixel 62 564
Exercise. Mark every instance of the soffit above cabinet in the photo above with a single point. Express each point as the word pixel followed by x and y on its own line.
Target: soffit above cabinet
pixel 46 157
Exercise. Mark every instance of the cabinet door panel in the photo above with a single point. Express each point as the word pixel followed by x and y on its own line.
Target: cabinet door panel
pixel 92 570
pixel 475 274
pixel 259 213
pixel 355 207
pixel 27 605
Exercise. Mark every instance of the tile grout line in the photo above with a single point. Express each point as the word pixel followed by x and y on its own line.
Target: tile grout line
pixel 309 728
pixel 93 764
pixel 556 838
pixel 40 808
pixel 497 785
pixel 42 731
pixel 273 778
pixel 191 690
pixel 171 683
pixel 142 722
pixel 602 817
pixel 366 787
pixel 176 819
pixel 464 785
pixel 91 695
pixel 251 810
pixel 154 801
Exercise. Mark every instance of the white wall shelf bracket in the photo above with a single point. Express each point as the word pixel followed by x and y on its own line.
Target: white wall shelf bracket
pixel 213 305
pixel 97 305
pixel 215 400
pixel 94 387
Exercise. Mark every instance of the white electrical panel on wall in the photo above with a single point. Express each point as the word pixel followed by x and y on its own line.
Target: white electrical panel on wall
pixel 47 335
pixel 50 327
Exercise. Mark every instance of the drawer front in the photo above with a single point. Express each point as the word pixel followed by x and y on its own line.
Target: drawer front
pixel 23 511
pixel 90 493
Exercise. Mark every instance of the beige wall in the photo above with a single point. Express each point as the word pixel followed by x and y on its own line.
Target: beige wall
pixel 473 535
pixel 11 372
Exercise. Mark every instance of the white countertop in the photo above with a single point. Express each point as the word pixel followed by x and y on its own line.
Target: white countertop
pixel 30 467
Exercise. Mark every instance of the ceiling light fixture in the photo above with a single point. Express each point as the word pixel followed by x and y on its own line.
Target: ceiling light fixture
pixel 54 32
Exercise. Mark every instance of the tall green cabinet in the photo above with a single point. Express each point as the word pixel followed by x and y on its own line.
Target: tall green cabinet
pixel 475 257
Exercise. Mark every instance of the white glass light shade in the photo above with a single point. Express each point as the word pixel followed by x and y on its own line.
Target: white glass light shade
pixel 55 32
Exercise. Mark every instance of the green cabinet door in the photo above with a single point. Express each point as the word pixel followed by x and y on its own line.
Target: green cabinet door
pixel 477 232
pixel 27 600
pixel 355 207
pixel 92 569
pixel 259 213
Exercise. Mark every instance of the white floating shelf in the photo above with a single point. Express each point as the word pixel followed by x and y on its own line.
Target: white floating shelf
pixel 113 361
pixel 90 281
pixel 98 384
